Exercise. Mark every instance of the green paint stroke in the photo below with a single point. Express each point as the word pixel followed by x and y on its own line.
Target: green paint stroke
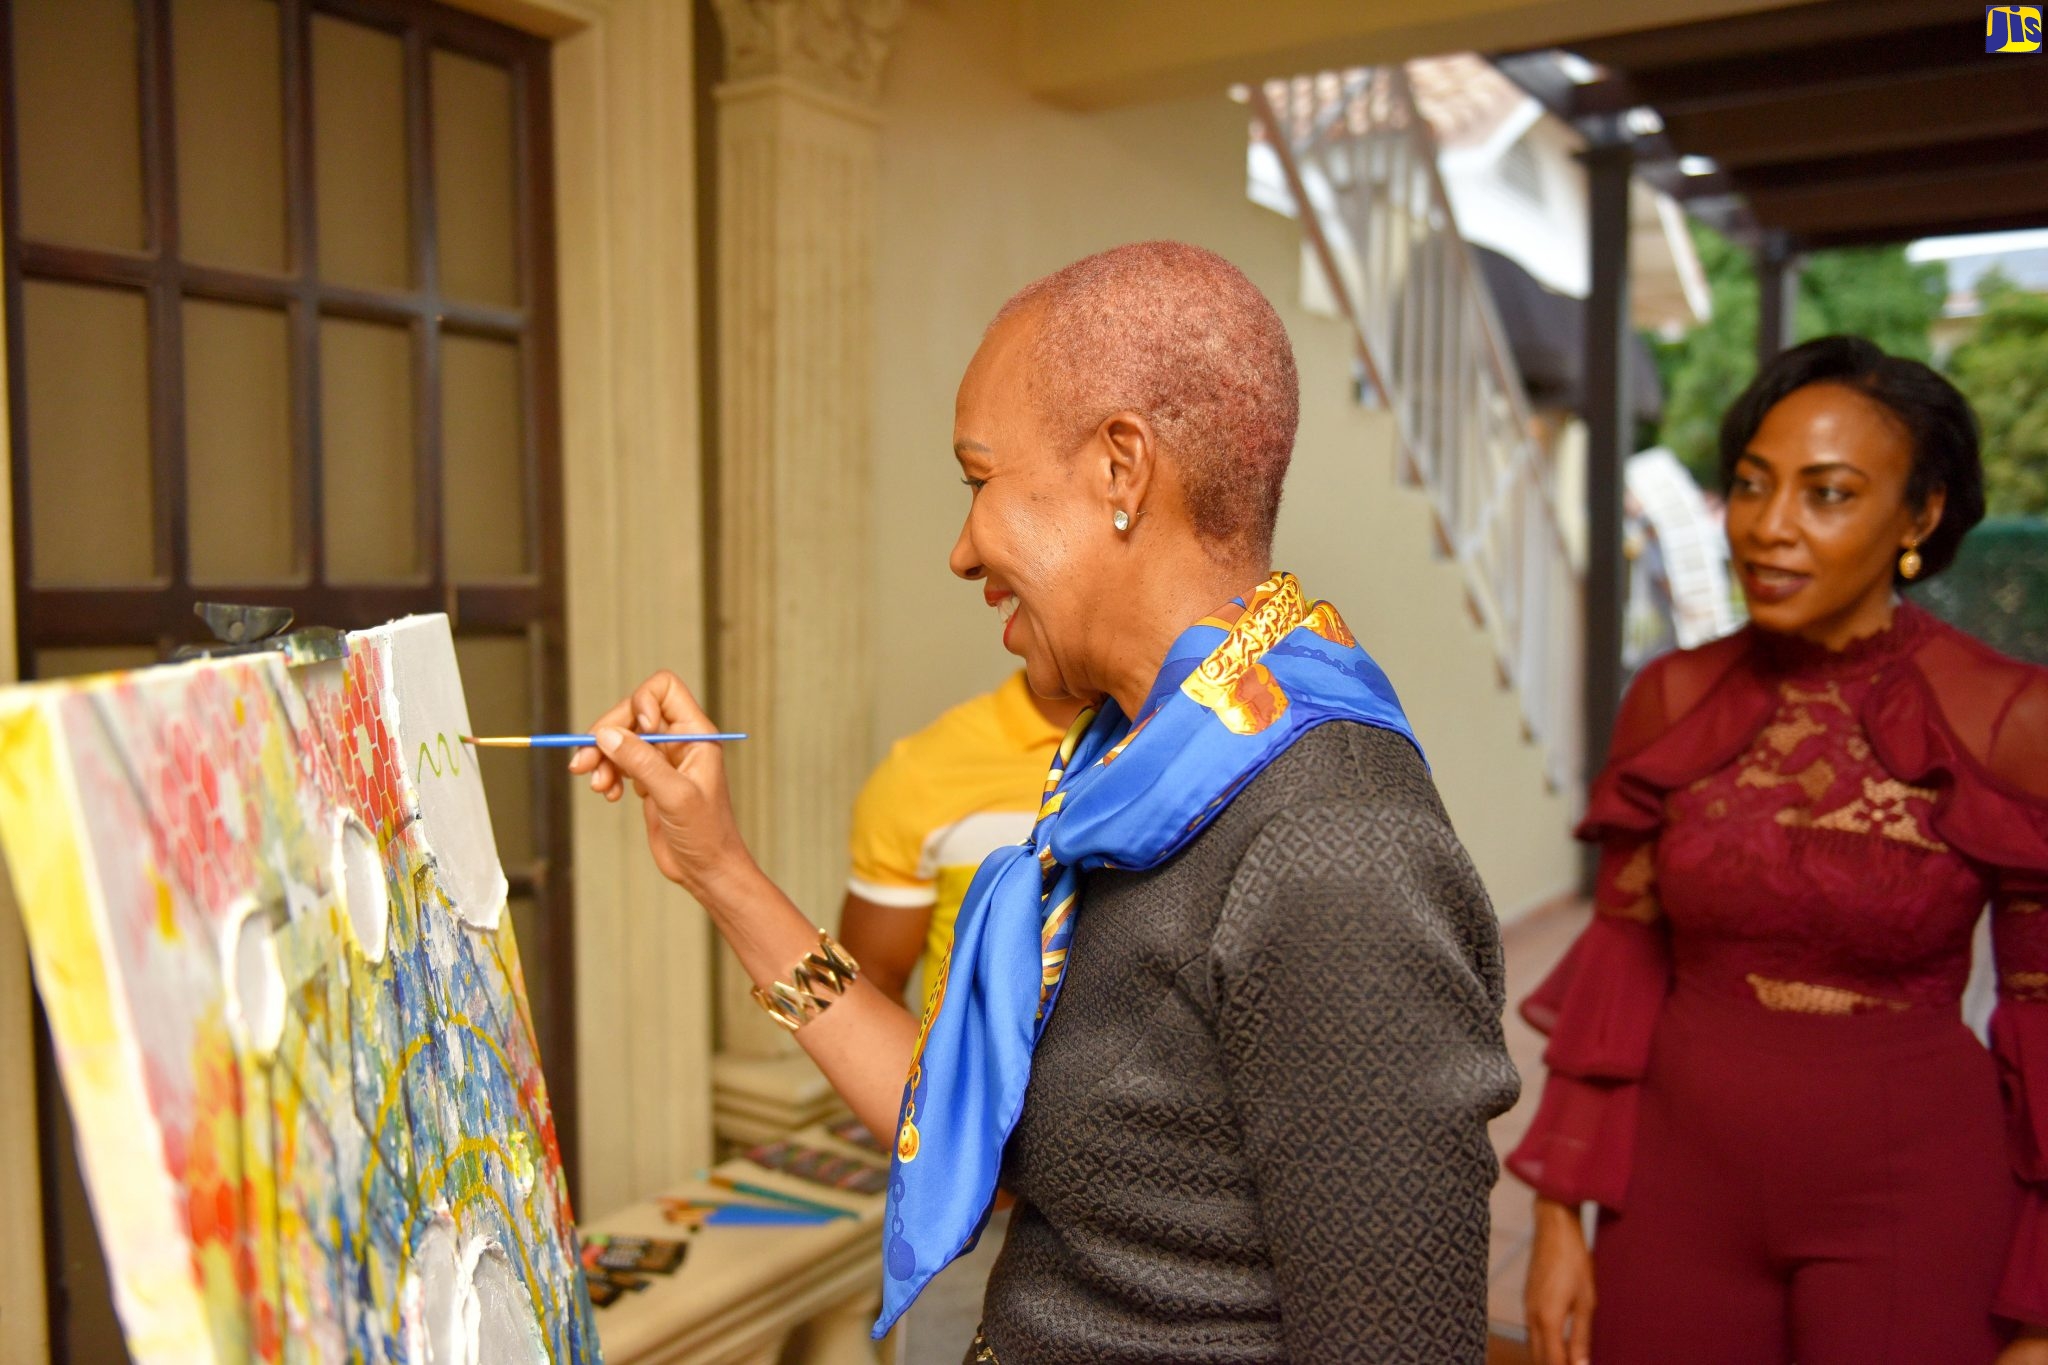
pixel 427 759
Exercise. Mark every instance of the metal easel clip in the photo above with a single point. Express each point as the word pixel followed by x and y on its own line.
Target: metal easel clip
pixel 247 629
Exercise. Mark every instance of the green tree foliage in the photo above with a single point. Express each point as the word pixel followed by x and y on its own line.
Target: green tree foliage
pixel 2003 370
pixel 1703 370
pixel 1873 292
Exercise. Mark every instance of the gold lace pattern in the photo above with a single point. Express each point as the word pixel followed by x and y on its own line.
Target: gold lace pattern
pixel 2025 987
pixel 1637 879
pixel 1884 807
pixel 1806 997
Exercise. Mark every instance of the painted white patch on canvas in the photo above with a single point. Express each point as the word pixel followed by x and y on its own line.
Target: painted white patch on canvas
pixel 443 785
pixel 465 1306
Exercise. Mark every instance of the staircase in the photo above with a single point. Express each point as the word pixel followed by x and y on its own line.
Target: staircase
pixel 1386 258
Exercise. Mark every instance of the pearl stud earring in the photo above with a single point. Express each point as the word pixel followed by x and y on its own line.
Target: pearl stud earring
pixel 1122 520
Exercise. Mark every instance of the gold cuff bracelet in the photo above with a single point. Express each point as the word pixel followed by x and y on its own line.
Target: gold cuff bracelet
pixel 822 977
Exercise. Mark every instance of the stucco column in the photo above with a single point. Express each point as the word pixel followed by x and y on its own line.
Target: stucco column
pixel 797 173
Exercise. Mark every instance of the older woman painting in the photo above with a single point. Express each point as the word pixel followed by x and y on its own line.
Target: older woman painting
pixel 1228 1023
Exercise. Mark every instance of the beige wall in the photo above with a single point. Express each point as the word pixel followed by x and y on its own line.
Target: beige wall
pixel 984 188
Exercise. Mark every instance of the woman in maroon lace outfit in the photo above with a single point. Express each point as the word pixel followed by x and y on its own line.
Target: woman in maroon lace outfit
pixel 1757 1067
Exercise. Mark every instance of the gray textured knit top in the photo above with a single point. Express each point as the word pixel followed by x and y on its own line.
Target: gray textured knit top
pixel 1256 1123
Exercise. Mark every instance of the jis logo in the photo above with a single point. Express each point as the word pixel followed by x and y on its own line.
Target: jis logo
pixel 2012 28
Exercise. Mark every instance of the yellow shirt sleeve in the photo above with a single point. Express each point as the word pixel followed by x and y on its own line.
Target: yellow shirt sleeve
pixel 890 824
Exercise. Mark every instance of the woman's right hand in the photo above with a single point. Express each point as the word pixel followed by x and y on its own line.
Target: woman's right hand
pixel 865 1041
pixel 1559 1298
pixel 690 827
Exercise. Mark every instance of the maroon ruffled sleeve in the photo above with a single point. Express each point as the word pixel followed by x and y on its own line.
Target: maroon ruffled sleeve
pixel 1600 1005
pixel 1974 726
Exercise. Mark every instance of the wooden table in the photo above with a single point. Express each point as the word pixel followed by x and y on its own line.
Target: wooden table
pixel 744 1293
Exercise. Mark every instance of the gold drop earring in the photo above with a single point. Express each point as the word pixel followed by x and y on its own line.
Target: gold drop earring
pixel 1909 562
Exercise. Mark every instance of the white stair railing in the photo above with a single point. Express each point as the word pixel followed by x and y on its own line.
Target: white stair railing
pixel 1360 162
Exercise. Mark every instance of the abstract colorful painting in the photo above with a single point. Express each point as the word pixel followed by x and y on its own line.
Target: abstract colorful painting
pixel 268 925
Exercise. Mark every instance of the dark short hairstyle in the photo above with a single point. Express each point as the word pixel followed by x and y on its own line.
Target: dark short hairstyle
pixel 1933 413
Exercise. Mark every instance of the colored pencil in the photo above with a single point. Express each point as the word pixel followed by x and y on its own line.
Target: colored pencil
pixel 726 1182
pixel 720 1213
pixel 584 741
pixel 744 1216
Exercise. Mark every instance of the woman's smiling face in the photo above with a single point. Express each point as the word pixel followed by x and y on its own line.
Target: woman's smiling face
pixel 1818 514
pixel 1038 534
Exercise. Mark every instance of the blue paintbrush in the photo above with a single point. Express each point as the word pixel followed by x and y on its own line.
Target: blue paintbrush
pixel 583 741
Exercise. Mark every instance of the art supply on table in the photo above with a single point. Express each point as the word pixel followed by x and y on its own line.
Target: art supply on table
pixel 615 1265
pixel 717 1213
pixel 607 1285
pixel 726 1182
pixel 830 1169
pixel 854 1133
pixel 636 1255
pixel 587 741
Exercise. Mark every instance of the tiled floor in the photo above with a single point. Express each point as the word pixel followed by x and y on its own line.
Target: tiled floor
pixel 1533 944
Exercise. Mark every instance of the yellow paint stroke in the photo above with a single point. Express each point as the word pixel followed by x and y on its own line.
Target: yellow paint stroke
pixel 433 1179
pixel 513 975
pixel 427 759
pixel 50 885
pixel 166 908
pixel 393 1089
pixel 462 1022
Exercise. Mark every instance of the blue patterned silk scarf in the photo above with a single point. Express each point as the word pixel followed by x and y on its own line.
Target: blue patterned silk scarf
pixel 1229 699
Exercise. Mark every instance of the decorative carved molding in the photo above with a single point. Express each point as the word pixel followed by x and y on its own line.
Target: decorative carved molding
pixel 838 46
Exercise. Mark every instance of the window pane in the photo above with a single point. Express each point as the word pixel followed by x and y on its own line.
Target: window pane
pixel 359 162
pixel 75 661
pixel 483 460
pixel 368 468
pixel 230 132
pixel 497 681
pixel 89 474
pixel 81 130
pixel 474 179
pixel 238 443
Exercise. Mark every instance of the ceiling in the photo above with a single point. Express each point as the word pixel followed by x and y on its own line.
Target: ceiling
pixel 1835 123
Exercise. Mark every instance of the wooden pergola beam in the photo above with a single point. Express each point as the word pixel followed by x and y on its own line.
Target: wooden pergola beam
pixel 1867 63
pixel 1997 98
pixel 1902 169
pixel 1968 195
pixel 1884 234
pixel 1767 30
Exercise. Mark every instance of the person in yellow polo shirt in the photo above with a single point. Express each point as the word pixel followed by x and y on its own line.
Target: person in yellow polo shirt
pixel 944 799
